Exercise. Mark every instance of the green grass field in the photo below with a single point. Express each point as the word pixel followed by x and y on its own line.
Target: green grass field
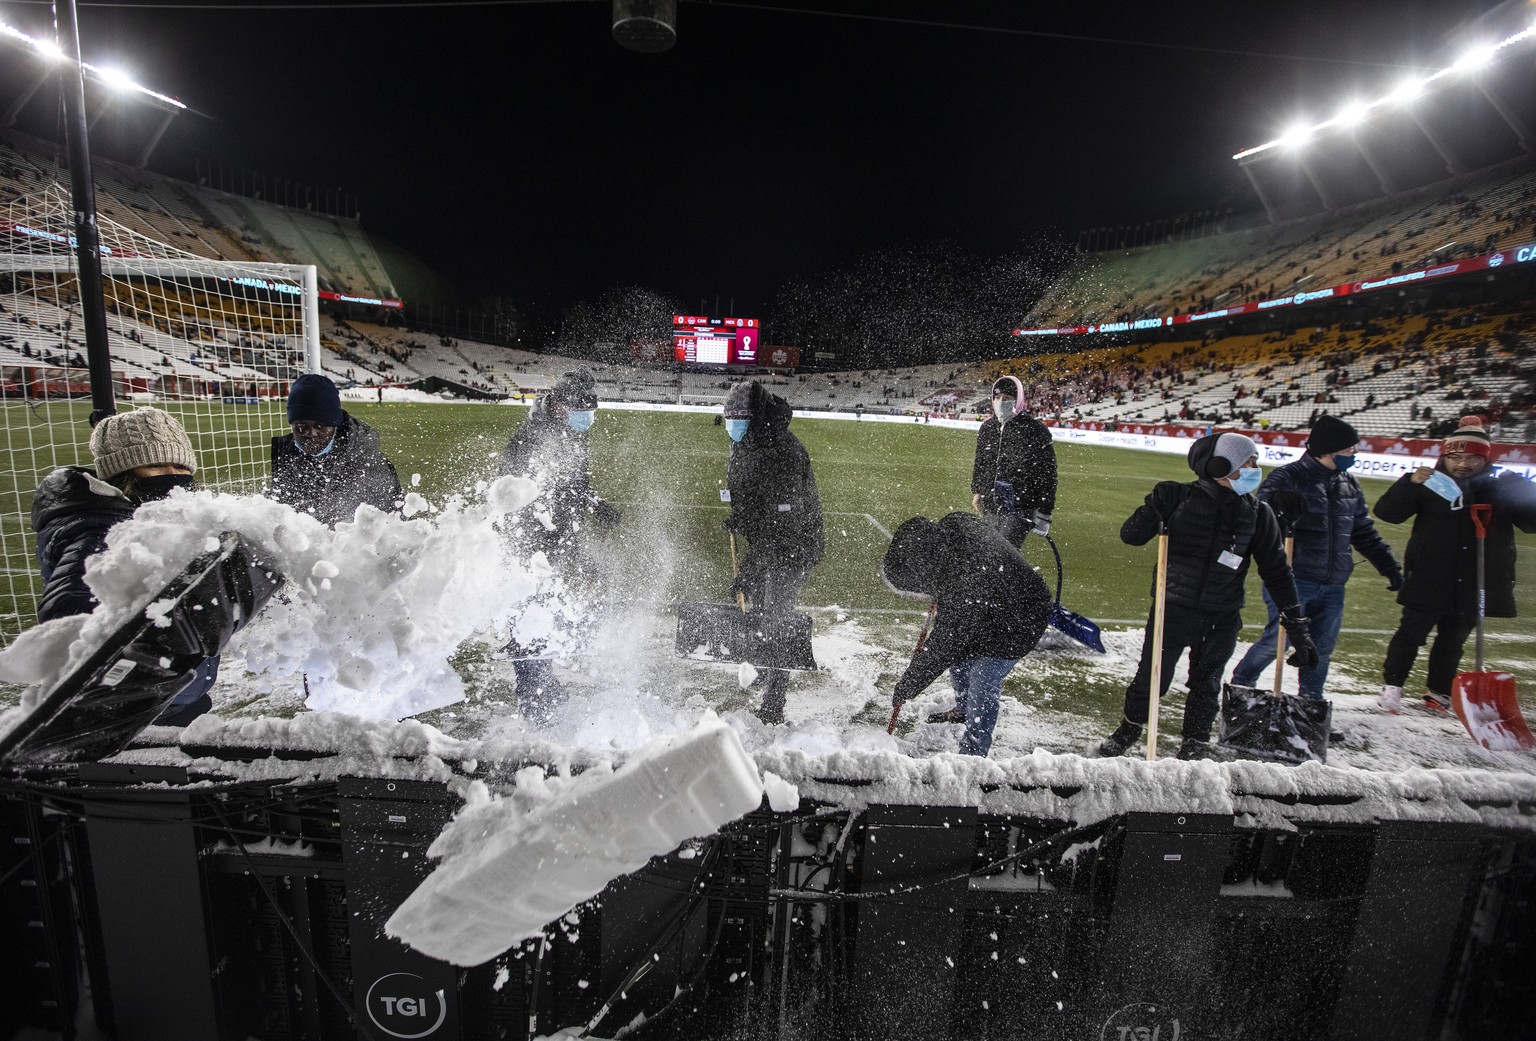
pixel 666 470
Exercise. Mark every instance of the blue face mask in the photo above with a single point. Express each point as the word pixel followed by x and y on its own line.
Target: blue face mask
pixel 581 420
pixel 1445 486
pixel 1343 462
pixel 316 455
pixel 1247 480
pixel 736 428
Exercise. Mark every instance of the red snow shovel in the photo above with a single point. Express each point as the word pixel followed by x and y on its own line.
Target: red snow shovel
pixel 922 638
pixel 1485 702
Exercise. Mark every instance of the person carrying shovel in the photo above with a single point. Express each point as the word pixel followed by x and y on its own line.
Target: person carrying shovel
pixel 1440 588
pixel 776 508
pixel 991 609
pixel 1214 526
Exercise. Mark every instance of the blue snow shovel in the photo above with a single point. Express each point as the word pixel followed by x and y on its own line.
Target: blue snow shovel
pixel 1069 622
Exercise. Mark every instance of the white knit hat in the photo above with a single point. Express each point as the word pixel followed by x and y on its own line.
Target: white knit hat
pixel 144 437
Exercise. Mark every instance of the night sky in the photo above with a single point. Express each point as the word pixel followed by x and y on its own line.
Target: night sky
pixel 520 150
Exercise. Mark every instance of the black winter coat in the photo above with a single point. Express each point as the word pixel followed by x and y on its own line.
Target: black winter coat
pixel 546 450
pixel 331 487
pixel 1212 520
pixel 1440 564
pixel 990 602
pixel 1020 451
pixel 775 504
pixel 1336 519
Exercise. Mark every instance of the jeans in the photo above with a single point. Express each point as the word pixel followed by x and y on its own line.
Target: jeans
pixel 1324 606
pixel 978 686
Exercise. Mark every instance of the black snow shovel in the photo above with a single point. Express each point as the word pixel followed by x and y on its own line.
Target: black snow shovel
pixel 1272 725
pixel 733 633
pixel 1070 622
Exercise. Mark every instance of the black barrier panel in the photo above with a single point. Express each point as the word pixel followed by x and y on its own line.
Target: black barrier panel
pixel 39 958
pixel 1490 999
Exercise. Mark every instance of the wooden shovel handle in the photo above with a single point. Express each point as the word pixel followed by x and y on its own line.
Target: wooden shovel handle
pixel 1155 680
pixel 741 601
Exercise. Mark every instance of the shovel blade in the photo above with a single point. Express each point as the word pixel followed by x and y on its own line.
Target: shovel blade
pixel 764 639
pixel 1486 704
pixel 1079 628
pixel 1275 728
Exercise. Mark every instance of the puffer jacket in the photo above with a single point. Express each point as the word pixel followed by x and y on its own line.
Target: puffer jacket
pixel 990 602
pixel 72 511
pixel 1440 564
pixel 1211 520
pixel 1336 519
pixel 546 450
pixel 331 487
pixel 775 504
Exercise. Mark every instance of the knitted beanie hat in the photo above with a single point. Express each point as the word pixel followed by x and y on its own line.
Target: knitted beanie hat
pixel 577 390
pixel 313 398
pixel 1331 434
pixel 144 437
pixel 1236 449
pixel 1470 437
pixel 738 402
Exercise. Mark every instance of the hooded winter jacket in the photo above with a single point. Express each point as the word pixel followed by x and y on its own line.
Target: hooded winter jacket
pixel 1019 452
pixel 546 450
pixel 1209 520
pixel 990 602
pixel 332 486
pixel 72 511
pixel 1336 519
pixel 1440 564
pixel 775 504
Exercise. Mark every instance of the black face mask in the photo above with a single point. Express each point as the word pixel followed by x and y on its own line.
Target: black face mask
pixel 148 489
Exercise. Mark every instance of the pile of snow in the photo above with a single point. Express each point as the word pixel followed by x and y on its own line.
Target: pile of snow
pixel 512 864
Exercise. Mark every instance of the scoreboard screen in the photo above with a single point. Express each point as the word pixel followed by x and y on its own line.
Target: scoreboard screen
pixel 700 340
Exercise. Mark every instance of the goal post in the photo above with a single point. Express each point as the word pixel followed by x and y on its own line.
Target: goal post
pixel 215 343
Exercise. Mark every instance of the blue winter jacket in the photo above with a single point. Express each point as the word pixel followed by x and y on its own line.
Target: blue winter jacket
pixel 1336 519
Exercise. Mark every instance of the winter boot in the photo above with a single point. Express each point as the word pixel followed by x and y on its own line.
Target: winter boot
pixel 1118 743
pixel 1437 702
pixel 951 715
pixel 772 716
pixel 1391 700
pixel 1194 748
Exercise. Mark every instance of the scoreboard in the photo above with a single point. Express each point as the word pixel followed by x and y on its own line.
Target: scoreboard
pixel 700 340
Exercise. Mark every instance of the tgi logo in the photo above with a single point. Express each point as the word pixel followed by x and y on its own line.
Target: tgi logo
pixel 400 1005
pixel 1142 1021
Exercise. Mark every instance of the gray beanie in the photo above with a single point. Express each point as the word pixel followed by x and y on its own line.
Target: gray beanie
pixel 144 437
pixel 738 402
pixel 1236 449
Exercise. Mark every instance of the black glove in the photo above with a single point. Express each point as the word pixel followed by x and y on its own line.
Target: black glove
pixel 1394 580
pixel 1165 498
pixel 747 582
pixel 1289 508
pixel 1298 632
pixel 606 513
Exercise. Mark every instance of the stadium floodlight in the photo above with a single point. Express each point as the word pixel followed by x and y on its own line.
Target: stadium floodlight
pixel 1471 60
pixel 1296 136
pixel 117 79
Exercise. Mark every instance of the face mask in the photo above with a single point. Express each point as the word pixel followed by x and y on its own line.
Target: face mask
pixel 581 420
pixel 1343 462
pixel 1004 409
pixel 148 489
pixel 736 428
pixel 1445 486
pixel 315 455
pixel 1247 480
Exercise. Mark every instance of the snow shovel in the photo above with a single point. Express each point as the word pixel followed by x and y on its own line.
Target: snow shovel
pixel 1485 702
pixel 1155 679
pixel 1272 725
pixel 733 633
pixel 1069 622
pixel 922 638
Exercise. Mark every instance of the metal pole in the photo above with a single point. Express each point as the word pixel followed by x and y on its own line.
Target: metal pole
pixel 93 311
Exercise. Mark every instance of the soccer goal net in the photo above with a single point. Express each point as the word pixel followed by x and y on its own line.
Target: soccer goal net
pixel 216 343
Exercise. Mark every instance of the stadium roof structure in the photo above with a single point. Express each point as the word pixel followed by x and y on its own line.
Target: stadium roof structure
pixel 1473 72
pixel 113 83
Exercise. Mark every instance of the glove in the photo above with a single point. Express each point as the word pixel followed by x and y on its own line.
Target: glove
pixel 1394 580
pixel 1165 499
pixel 1042 523
pixel 606 513
pixel 1298 632
pixel 747 582
pixel 1289 508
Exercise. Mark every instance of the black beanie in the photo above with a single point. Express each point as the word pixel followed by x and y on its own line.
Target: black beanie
pixel 1331 434
pixel 313 398
pixel 577 390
